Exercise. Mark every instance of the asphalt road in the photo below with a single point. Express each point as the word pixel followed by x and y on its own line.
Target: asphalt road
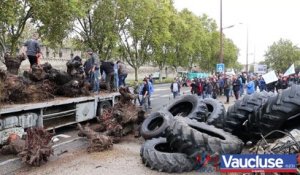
pixel 123 159
pixel 162 96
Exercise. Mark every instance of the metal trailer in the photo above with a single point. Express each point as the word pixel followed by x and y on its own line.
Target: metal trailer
pixel 52 114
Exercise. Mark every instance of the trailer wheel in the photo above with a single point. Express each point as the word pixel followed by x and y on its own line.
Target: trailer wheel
pixel 103 105
pixel 157 154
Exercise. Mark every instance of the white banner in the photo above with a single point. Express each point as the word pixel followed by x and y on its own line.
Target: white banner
pixel 290 71
pixel 270 77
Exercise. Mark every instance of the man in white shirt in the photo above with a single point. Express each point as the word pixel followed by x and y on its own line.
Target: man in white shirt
pixel 175 88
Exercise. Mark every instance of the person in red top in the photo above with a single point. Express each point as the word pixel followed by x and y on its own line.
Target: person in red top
pixel 200 88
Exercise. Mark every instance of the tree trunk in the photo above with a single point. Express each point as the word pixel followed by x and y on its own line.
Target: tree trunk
pixel 13 49
pixel 136 73
pixel 13 63
pixel 166 71
pixel 160 74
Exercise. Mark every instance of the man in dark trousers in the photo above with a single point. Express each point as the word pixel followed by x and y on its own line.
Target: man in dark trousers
pixel 236 85
pixel 145 95
pixel 175 88
pixel 108 68
pixel 243 77
pixel 91 68
pixel 32 48
pixel 122 72
pixel 227 84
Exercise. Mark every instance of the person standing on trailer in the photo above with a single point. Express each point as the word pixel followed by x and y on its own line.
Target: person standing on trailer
pixel 32 49
pixel 122 72
pixel 92 70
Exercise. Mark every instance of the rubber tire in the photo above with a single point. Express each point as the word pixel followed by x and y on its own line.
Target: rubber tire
pixel 278 110
pixel 193 138
pixel 189 106
pixel 243 110
pixel 151 122
pixel 217 112
pixel 170 162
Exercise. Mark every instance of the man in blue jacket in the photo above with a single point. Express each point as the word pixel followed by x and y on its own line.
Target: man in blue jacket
pixel 251 87
pixel 151 91
pixel 262 84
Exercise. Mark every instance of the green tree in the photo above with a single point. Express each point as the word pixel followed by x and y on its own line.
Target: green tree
pixel 52 18
pixel 98 29
pixel 280 55
pixel 55 18
pixel 211 44
pixel 189 35
pixel 7 17
pixel 13 25
pixel 211 47
pixel 135 33
pixel 230 53
pixel 161 41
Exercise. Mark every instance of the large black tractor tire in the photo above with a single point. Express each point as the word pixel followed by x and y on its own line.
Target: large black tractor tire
pixel 244 110
pixel 157 154
pixel 277 112
pixel 216 111
pixel 156 124
pixel 194 138
pixel 189 106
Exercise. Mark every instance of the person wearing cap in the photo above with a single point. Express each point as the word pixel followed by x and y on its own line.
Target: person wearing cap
pixel 92 70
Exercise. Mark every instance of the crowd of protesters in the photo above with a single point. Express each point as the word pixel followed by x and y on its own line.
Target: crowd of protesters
pixel 234 85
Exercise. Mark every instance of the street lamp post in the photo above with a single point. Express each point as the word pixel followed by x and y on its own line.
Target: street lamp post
pixel 247 69
pixel 221 35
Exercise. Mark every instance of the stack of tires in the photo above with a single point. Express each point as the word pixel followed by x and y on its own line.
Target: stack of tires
pixel 178 135
pixel 262 113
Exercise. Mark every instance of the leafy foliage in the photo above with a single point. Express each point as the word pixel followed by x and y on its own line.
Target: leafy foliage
pixel 136 31
pixel 280 55
pixel 98 28
pixel 55 18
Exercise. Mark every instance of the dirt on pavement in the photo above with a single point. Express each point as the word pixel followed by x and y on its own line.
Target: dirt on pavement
pixel 123 159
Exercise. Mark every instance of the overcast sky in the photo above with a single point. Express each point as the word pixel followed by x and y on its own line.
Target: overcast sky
pixel 267 21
